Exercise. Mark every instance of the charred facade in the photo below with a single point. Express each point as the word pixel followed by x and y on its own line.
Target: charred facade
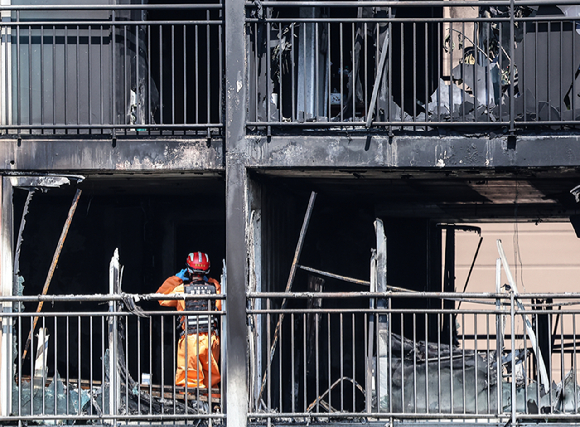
pixel 325 155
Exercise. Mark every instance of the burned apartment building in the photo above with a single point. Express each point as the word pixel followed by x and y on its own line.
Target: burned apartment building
pixel 328 156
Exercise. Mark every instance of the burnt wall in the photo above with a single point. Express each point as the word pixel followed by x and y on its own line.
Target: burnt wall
pixel 154 231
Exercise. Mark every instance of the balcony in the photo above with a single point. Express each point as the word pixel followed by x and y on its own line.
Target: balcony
pixel 379 65
pixel 98 69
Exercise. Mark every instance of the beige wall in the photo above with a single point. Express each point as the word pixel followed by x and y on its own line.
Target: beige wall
pixel 546 259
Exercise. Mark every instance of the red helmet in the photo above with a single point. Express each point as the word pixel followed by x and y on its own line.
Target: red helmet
pixel 197 262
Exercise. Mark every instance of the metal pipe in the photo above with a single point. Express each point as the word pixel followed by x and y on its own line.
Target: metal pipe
pixel 293 269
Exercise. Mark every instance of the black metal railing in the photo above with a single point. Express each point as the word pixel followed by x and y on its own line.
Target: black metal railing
pixel 104 69
pixel 103 359
pixel 404 65
pixel 401 355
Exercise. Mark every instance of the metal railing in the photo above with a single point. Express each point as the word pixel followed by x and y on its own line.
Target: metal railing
pixel 112 69
pixel 495 357
pixel 103 359
pixel 399 65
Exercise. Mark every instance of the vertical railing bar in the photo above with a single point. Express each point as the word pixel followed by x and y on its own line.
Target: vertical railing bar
pixel 451 327
pixel 537 351
pixel 221 66
pixel 500 61
pixel 304 371
pixel 162 345
pixel 426 363
pixel 574 361
pixel 268 94
pixel 427 62
pixel 366 70
pixel 89 89
pixel 572 97
pixel 341 354
pixel 463 360
pixel 549 352
pixel 43 374
pixel 139 370
pixel 185 121
pixel 196 53
pixel 414 74
pixel 32 347
pixel 53 76
pixel 126 83
pixel 439 360
pixel 513 361
pixel 390 348
pixel 68 357
pixel 149 84
pixel 488 364
pixel 451 83
pixel 19 383
pixel 329 74
pixel 113 71
pixel 208 71
pixel 280 365
pixel 562 94
pixel 127 335
pixel 254 71
pixel 318 73
pixel 91 349
pixel 462 64
pixel 79 370
pixel 103 384
pixel 293 73
pixel 269 369
pixel 390 87
pixel 174 359
pixel 402 363
pixel 65 77
pixel 536 64
pixel 55 340
pixel 562 367
pixel 329 352
pixel 138 88
pixel 317 357
pixel 77 72
pixel 18 76
pixel 353 346
pixel 354 70
pixel 30 112
pixel 476 357
pixel 341 80
pixel 42 76
pixel 280 71
pixel 101 81
pixel 173 74
pixel 402 82
pixel 161 94
pixel 151 364
pixel 414 317
pixel 524 365
pixel 292 364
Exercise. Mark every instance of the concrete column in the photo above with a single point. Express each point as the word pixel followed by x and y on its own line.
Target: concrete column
pixel 6 282
pixel 236 384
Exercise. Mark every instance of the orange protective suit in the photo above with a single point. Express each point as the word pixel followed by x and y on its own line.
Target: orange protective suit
pixel 202 355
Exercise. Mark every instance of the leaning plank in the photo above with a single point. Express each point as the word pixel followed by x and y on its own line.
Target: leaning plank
pixel 55 257
pixel 529 328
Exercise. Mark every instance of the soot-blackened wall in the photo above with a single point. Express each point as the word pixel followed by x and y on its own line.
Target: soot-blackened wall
pixel 154 231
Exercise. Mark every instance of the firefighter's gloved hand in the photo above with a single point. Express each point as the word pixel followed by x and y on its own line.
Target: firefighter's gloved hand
pixel 183 275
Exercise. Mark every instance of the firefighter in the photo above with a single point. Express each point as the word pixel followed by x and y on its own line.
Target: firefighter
pixel 199 341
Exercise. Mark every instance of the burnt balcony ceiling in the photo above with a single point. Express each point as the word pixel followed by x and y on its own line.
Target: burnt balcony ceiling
pixel 464 195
